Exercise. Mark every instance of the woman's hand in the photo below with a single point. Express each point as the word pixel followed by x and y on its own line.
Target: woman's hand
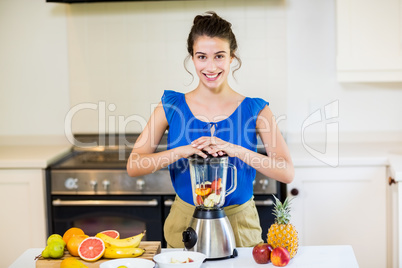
pixel 188 150
pixel 215 146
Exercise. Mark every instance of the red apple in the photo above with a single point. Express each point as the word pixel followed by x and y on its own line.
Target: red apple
pixel 200 201
pixel 280 256
pixel 216 184
pixel 262 253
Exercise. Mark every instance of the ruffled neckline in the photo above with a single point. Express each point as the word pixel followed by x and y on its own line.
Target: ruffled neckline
pixel 215 122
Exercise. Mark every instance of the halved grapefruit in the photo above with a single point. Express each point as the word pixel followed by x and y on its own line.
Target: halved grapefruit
pixel 112 233
pixel 91 249
pixel 74 243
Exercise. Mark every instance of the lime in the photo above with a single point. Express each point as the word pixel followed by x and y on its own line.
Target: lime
pixel 56 249
pixel 55 237
pixel 45 253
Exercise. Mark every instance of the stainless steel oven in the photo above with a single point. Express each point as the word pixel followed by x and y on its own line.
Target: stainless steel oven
pixel 264 188
pixel 96 200
pixel 91 189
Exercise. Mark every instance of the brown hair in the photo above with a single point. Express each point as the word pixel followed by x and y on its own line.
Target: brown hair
pixel 211 25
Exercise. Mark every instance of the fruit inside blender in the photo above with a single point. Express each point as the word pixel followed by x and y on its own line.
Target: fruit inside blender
pixel 209 193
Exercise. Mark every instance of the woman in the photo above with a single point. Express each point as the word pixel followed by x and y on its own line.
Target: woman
pixel 212 119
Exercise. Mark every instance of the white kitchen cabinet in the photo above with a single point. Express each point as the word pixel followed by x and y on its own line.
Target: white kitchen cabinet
pixel 395 209
pixel 369 40
pixel 343 206
pixel 22 210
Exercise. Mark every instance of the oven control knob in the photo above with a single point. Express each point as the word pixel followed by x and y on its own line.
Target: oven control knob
pixel 106 185
pixel 264 183
pixel 140 184
pixel 71 183
pixel 93 185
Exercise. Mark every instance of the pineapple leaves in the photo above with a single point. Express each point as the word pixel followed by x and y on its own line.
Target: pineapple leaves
pixel 281 210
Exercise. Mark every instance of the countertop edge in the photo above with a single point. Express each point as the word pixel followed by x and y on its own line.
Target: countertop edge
pixel 10 157
pixel 340 255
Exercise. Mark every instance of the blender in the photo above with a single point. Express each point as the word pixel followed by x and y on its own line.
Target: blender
pixel 209 231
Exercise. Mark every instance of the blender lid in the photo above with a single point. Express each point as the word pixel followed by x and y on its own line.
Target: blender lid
pixel 200 159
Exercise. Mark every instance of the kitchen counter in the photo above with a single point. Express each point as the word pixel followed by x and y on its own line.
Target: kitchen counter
pixel 31 156
pixel 346 154
pixel 309 257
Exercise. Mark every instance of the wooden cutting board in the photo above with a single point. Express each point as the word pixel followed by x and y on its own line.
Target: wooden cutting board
pixel 151 249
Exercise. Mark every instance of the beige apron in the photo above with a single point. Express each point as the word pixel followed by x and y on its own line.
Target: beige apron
pixel 243 218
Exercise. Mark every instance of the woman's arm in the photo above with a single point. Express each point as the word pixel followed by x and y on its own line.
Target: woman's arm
pixel 277 164
pixel 143 159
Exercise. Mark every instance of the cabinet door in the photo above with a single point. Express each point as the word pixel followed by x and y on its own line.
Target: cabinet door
pixel 343 206
pixel 22 210
pixel 369 41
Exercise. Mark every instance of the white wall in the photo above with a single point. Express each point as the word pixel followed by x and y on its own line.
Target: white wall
pixel 366 111
pixel 113 46
pixel 127 53
pixel 33 68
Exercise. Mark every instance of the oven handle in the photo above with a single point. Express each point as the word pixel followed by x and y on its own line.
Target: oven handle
pixel 168 202
pixel 134 203
pixel 265 203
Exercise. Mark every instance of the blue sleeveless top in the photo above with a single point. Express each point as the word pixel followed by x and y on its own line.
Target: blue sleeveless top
pixel 238 128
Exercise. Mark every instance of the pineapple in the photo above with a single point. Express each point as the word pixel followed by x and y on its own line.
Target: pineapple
pixel 282 233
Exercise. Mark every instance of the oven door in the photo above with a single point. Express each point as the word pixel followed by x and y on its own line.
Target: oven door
pixel 265 206
pixel 129 215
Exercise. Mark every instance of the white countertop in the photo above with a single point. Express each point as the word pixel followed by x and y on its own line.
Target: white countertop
pixel 308 257
pixel 347 154
pixel 31 156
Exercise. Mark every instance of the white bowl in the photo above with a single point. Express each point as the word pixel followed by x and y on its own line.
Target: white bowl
pixel 164 260
pixel 129 262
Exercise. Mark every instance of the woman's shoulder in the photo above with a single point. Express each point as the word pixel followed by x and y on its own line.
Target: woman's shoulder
pixel 172 93
pixel 256 104
pixel 171 97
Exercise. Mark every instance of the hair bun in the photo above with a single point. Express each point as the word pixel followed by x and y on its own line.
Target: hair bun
pixel 211 17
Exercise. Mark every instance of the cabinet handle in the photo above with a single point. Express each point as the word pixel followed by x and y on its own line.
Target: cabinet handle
pixel 391 181
pixel 294 192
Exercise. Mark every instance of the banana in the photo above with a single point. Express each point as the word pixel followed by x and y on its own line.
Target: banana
pixel 118 252
pixel 133 241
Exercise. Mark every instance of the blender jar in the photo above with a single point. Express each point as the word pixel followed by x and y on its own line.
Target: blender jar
pixel 208 180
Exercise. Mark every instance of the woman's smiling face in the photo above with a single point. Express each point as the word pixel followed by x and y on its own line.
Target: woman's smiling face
pixel 212 61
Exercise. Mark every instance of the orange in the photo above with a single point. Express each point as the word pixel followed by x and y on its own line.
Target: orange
pixel 70 232
pixel 91 249
pixel 72 262
pixel 73 244
pixel 203 191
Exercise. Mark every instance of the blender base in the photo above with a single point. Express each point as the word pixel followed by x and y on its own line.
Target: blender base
pixel 234 255
pixel 210 233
